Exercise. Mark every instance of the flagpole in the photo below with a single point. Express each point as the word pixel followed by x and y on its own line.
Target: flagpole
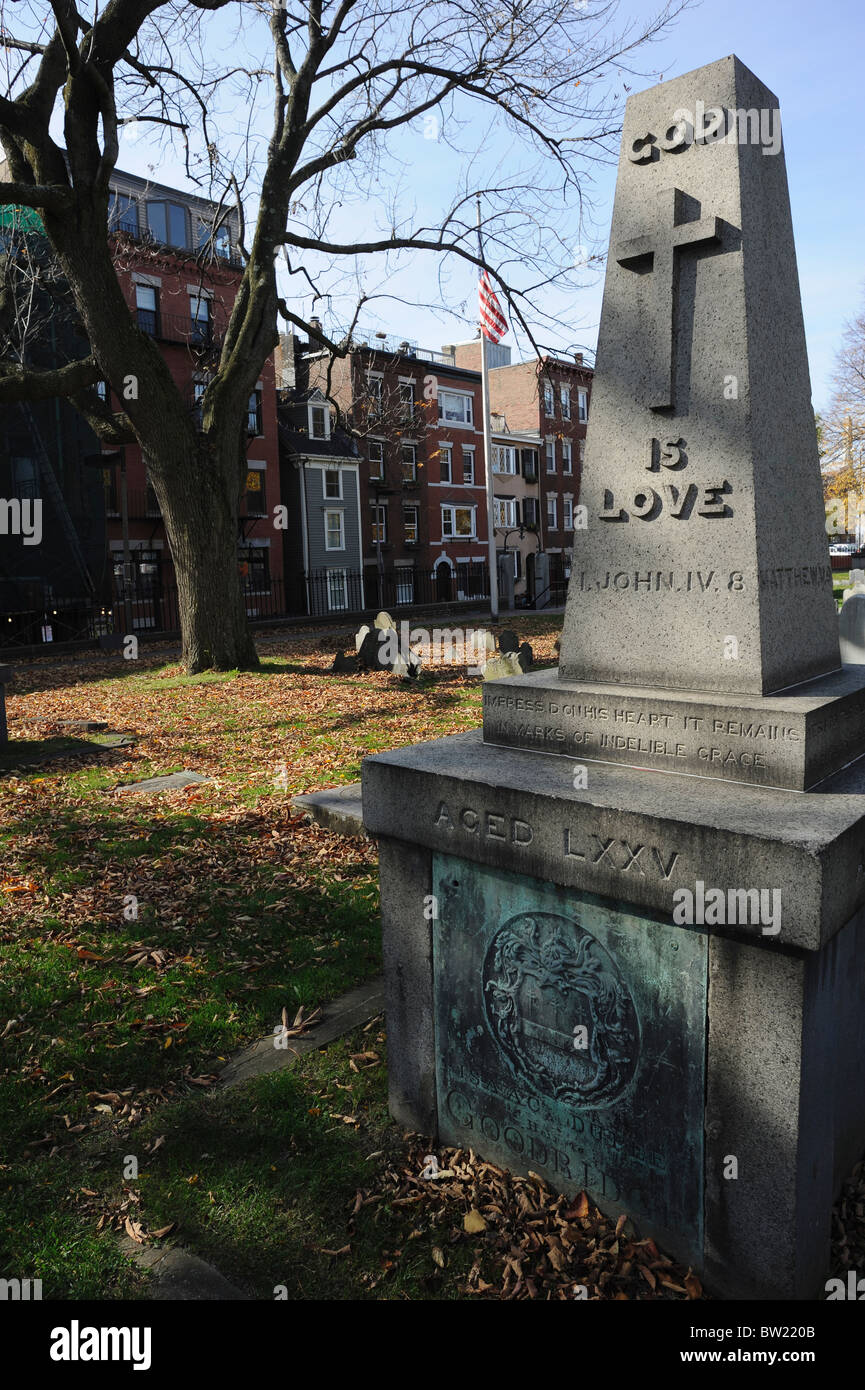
pixel 488 455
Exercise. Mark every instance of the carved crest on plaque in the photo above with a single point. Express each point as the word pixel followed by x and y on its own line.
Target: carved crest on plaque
pixel 560 1010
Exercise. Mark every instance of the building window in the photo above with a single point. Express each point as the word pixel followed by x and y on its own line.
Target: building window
pixel 530 511
pixel 167 223
pixel 455 408
pixel 146 309
pixel 551 455
pixel 199 315
pixel 337 593
pixel 24 477
pixel 582 406
pixel 549 399
pixel 376 452
pixel 552 519
pixel 468 465
pixel 123 215
pixel 406 400
pixel 374 388
pixel 458 522
pixel 568 513
pixel 334 537
pixel 333 483
pixel 410 519
pixel 102 391
pixel 515 560
pixel 567 458
pixel 219 240
pixel 256 504
pixel 505 511
pixel 446 462
pixel 254 562
pixel 471 579
pixel 379 523
pixel 254 420
pixel 319 421
pixel 565 398
pixel 504 458
pixel 151 503
pixel 530 465
pixel 404 584
pixel 198 390
pixel 408 455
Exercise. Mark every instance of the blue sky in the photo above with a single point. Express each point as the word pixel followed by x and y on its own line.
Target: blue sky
pixel 811 56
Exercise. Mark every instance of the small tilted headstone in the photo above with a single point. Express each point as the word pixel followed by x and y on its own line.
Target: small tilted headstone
pixel 359 636
pixel 525 656
pixel 505 664
pixel 344 665
pixel 851 629
pixel 508 641
pixel 856 585
pixel 383 621
pixel 370 653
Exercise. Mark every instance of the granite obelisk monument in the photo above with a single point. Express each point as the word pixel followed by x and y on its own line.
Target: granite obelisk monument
pixel 624 924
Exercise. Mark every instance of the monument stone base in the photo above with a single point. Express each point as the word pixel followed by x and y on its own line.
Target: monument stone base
pixel 545 1007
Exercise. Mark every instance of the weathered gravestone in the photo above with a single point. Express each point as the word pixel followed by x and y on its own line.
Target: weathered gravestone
pixel 649 985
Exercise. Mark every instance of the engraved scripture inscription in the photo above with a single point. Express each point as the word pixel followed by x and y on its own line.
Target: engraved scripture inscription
pixel 560 1009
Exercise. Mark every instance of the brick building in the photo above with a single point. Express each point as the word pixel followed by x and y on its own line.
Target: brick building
pixel 548 398
pixel 177 260
pixel 423 486
pixel 517 500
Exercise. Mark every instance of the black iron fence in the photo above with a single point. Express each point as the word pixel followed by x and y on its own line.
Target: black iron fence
pixel 145 605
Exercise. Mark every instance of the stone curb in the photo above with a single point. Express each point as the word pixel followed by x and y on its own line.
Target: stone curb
pixel 180 1275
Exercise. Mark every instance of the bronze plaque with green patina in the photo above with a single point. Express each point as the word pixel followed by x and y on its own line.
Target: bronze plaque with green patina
pixel 570 1040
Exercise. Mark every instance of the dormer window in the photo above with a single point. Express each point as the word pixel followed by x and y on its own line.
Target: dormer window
pixel 219 240
pixel 123 214
pixel 319 420
pixel 167 223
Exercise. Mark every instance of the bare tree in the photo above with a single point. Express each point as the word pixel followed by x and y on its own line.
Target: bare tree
pixel 344 80
pixel 843 423
pixel 841 428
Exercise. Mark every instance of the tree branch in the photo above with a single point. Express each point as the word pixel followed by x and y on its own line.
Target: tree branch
pixel 27 384
pixel 34 195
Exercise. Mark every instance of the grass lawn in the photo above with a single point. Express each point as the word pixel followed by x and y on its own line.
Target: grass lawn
pixel 143 938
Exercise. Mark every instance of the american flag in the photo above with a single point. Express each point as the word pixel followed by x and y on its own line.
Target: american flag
pixel 494 325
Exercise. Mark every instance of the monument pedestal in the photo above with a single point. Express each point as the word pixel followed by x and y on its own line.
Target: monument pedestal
pixel 716 1091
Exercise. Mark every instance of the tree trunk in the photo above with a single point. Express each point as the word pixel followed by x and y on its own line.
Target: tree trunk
pixel 199 502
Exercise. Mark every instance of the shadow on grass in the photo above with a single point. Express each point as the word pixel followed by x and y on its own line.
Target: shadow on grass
pixel 26 755
pixel 228 940
pixel 262 1181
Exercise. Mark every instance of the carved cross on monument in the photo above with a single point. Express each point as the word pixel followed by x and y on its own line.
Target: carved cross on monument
pixel 669 234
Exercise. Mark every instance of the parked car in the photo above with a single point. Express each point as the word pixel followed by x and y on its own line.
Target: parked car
pixel 843 549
